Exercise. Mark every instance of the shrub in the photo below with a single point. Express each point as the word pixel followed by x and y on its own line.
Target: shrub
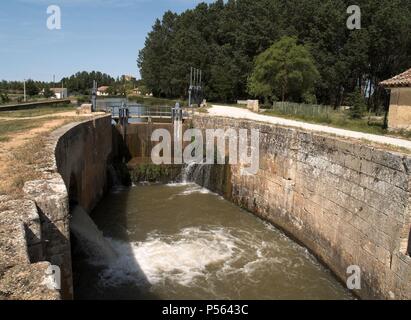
pixel 357 103
pixel 4 98
pixel 309 98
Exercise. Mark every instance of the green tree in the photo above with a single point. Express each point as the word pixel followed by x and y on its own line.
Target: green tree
pixel 154 60
pixel 223 38
pixel 82 82
pixel 143 89
pixel 285 70
pixel 31 88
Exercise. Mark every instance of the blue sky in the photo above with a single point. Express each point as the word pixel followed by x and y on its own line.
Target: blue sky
pixel 102 35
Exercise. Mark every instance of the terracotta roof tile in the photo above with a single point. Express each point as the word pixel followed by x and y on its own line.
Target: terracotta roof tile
pixel 402 80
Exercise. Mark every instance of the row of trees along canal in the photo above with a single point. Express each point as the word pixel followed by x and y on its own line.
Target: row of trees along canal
pixel 76 84
pixel 295 50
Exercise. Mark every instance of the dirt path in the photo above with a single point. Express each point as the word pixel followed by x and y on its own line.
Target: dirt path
pixel 239 113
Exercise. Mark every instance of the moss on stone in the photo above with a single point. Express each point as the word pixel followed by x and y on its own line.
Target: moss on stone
pixel 154 173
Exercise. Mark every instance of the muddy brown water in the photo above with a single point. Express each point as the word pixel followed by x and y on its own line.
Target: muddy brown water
pixel 180 241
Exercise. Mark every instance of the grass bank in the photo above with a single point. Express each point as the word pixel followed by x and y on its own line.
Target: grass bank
pixel 327 116
pixel 22 145
pixel 337 119
pixel 23 159
pixel 37 112
pixel 8 128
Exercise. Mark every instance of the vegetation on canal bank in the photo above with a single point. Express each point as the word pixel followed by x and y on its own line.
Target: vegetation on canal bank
pixel 23 143
pixel 327 115
pixel 8 128
pixel 148 172
pixel 37 112
pixel 339 119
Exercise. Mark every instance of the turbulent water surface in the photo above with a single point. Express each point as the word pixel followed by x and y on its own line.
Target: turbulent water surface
pixel 180 241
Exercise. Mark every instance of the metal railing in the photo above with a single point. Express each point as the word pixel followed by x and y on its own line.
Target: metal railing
pixel 138 111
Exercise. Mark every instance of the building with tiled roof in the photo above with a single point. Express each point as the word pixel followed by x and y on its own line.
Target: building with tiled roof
pixel 402 80
pixel 399 117
pixel 103 91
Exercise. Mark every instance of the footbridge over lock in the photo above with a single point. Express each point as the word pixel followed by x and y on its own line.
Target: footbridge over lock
pixel 123 113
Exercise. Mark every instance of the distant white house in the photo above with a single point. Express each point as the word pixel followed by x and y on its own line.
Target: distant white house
pixel 59 93
pixel 103 91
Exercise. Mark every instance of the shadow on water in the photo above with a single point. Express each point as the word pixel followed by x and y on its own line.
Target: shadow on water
pixel 94 276
pixel 99 276
pixel 110 279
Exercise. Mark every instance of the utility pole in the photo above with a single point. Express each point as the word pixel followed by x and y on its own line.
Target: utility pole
pixel 195 88
pixel 190 87
pixel 24 84
pixel 94 96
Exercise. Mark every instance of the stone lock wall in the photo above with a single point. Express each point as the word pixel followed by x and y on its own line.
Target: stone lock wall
pixel 348 202
pixel 138 138
pixel 82 155
pixel 37 228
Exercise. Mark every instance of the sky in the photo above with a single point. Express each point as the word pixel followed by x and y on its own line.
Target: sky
pixel 101 35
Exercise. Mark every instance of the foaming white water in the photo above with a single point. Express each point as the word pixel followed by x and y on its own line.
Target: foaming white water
pixel 191 188
pixel 194 188
pixel 179 258
pixel 187 172
pixel 91 238
pixel 192 254
pixel 179 184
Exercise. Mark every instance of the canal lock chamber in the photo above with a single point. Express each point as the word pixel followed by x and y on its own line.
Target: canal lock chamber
pixel 173 232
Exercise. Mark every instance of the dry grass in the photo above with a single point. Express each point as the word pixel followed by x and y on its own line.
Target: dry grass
pixel 9 128
pixel 202 110
pixel 37 112
pixel 19 163
pixel 19 167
